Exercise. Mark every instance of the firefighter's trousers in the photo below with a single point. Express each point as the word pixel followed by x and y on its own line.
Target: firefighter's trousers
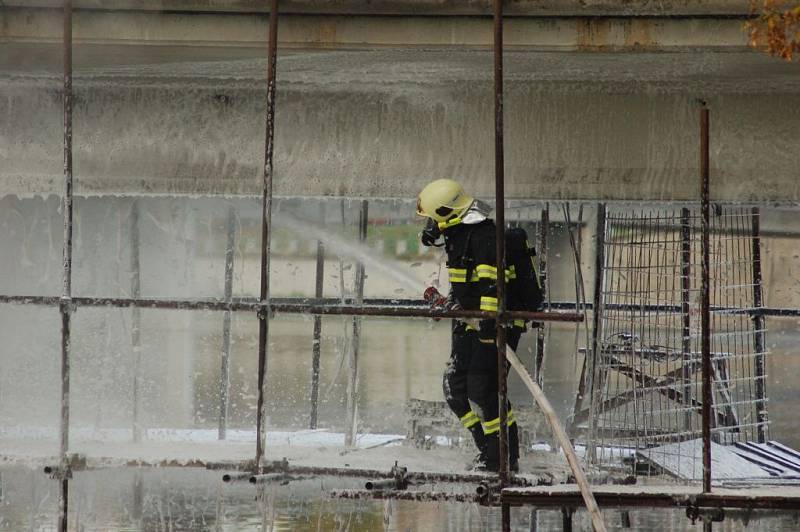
pixel 470 389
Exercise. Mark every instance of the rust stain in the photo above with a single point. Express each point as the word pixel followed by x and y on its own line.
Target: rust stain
pixel 326 32
pixel 592 33
pixel 637 33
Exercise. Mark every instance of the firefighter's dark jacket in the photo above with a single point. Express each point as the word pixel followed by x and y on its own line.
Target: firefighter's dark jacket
pixel 472 269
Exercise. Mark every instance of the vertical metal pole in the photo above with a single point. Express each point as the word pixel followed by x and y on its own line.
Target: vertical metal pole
pixel 544 229
pixel 316 349
pixel 352 381
pixel 224 372
pixel 686 331
pixel 138 498
pixel 266 218
pixel 758 326
pixel 136 318
pixel 594 382
pixel 66 294
pixel 499 184
pixel 706 303
pixel 566 519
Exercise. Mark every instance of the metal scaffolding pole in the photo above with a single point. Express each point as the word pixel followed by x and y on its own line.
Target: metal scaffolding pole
pixel 499 183
pixel 224 373
pixel 136 318
pixel 352 378
pixel 317 345
pixel 686 340
pixel 266 219
pixel 66 294
pixel 705 318
pixel 594 382
pixel 544 232
pixel 759 330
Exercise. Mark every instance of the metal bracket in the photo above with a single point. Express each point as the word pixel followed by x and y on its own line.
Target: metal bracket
pixel 70 464
pixel 706 515
pixel 399 480
pixel 265 312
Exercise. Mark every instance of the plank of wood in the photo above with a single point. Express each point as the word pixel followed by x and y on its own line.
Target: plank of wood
pixel 561 435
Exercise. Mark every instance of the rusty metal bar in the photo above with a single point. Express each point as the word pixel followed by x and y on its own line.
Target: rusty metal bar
pixel 500 221
pixel 686 287
pixel 224 372
pixel 375 307
pixel 759 327
pixel 136 317
pixel 250 304
pixel 544 231
pixel 282 466
pixel 317 345
pixel 418 496
pixel 266 219
pixel 679 496
pixel 705 317
pixel 499 184
pixel 65 305
pixel 352 378
pixel 590 369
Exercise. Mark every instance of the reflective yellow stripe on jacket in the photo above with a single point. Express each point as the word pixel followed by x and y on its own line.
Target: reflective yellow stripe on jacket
pixel 459 275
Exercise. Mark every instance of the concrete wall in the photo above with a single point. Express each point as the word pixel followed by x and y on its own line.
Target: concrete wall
pixel 232 30
pixel 563 140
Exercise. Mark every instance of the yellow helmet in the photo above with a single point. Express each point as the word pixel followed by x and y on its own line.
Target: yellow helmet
pixel 442 200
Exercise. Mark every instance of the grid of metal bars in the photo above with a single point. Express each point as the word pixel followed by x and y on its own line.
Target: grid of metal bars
pixel 263 307
pixel 734 318
pixel 648 389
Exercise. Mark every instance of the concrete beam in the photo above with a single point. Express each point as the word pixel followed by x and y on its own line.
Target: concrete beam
pixel 531 8
pixel 24 25
pixel 625 130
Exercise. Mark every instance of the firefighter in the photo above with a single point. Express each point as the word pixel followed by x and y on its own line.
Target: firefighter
pixel 470 378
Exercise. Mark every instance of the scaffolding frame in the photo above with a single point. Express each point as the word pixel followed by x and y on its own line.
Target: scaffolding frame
pixel 264 306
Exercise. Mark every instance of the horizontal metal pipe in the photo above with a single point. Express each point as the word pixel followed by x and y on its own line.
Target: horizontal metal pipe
pixel 385 484
pixel 236 477
pixel 271 477
pixel 296 308
pixel 419 496
pixel 283 467
pixel 665 499
pixel 486 488
pixel 293 305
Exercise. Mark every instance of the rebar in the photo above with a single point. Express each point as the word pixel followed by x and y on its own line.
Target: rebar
pixel 418 496
pixel 544 232
pixel 224 372
pixel 705 311
pixel 266 219
pixel 136 319
pixel 758 325
pixel 65 304
pixel 499 183
pixel 316 348
pixel 352 377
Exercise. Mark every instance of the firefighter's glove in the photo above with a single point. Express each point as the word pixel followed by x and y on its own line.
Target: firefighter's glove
pixel 434 298
pixel 430 234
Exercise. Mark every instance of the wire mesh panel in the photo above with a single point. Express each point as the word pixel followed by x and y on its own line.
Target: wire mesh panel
pixel 647 391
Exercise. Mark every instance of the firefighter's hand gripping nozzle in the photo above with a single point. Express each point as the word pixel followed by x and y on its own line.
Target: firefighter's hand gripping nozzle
pixel 434 299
